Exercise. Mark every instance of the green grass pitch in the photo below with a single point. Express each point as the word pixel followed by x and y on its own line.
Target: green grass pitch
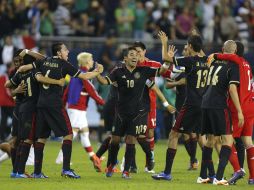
pixel 182 179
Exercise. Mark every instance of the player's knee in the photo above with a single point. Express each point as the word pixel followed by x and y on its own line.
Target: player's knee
pixel 130 139
pixel 84 129
pixel 42 141
pixel 68 137
pixel 28 141
pixel 115 139
pixel 246 142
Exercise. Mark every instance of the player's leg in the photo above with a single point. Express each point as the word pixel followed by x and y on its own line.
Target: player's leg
pixel 247 140
pixel 193 150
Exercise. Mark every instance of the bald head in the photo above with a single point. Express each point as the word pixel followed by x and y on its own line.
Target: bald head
pixel 229 47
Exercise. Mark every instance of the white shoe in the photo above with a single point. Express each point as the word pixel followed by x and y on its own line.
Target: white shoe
pixel 220 182
pixel 201 180
pixel 122 164
pixel 149 171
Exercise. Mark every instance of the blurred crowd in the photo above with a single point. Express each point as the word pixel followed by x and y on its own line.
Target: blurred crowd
pixel 218 20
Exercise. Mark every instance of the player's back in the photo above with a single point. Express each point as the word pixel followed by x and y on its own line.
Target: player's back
pixel 196 72
pixel 221 75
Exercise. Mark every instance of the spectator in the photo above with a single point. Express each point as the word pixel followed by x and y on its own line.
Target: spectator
pixel 33 15
pixel 110 7
pixel 83 26
pixel 47 23
pixel 242 23
pixel 184 24
pixel 124 17
pixel 62 19
pixel 165 24
pixel 140 21
pixel 228 26
pixel 6 18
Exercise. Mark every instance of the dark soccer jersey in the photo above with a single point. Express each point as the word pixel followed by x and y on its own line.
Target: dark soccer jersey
pixel 196 71
pixel 130 87
pixel 180 92
pixel 30 97
pixel 55 68
pixel 221 75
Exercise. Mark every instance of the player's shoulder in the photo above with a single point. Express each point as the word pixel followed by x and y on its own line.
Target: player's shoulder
pixel 151 63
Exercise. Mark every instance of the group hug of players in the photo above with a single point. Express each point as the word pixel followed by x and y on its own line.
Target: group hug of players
pixel 219 95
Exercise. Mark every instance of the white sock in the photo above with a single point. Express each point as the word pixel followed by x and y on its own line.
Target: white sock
pixel 4 157
pixel 75 134
pixel 85 142
pixel 30 160
pixel 1 152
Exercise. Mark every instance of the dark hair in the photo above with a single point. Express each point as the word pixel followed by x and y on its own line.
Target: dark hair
pixel 196 42
pixel 56 47
pixel 16 54
pixel 139 44
pixel 131 48
pixel 124 52
pixel 240 48
pixel 28 59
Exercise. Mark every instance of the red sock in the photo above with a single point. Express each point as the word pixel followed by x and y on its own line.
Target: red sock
pixel 233 159
pixel 250 160
pixel 151 142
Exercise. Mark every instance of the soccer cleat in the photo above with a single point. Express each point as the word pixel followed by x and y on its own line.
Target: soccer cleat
pixel 39 176
pixel 126 175
pixel 149 171
pixel 162 176
pixel 13 174
pixel 236 176
pixel 23 175
pixel 194 165
pixel 133 169
pixel 220 182
pixel 70 174
pixel 200 180
pixel 150 164
pixel 251 182
pixel 96 163
pixel 110 171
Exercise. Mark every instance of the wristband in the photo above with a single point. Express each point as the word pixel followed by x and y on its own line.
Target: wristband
pixel 165 104
pixel 165 66
pixel 26 51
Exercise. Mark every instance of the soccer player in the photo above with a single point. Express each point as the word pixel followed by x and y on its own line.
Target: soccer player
pixel 131 116
pixel 77 95
pixel 223 77
pixel 27 109
pixel 51 114
pixel 189 118
pixel 245 91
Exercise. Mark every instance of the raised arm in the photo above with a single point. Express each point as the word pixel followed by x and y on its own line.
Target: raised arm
pixel 235 98
pixel 34 54
pixel 102 80
pixel 89 75
pixel 162 98
pixel 173 84
pixel 92 92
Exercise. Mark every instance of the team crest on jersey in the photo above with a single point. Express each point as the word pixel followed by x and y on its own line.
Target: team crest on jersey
pixel 137 75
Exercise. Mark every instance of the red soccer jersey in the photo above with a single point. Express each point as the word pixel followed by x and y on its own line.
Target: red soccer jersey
pixel 245 89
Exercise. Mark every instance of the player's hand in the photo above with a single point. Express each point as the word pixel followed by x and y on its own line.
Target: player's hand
pixel 171 50
pixel 21 88
pixel 99 68
pixel 22 69
pixel 23 52
pixel 171 109
pixel 61 82
pixel 170 85
pixel 240 119
pixel 163 37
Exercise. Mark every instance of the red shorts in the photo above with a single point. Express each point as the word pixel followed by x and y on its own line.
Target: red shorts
pixel 245 130
pixel 151 119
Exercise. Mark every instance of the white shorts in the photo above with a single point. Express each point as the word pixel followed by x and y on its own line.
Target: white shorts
pixel 77 118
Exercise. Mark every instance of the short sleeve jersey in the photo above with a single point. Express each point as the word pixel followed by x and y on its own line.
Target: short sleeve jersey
pixel 195 73
pixel 30 98
pixel 55 68
pixel 221 75
pixel 130 87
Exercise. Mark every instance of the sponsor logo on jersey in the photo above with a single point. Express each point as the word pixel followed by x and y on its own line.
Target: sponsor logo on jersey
pixel 137 75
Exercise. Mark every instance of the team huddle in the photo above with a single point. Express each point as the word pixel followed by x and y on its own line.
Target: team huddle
pixel 218 108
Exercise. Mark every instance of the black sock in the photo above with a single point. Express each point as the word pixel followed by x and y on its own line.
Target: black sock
pixel 240 151
pixel 129 155
pixel 145 147
pixel 13 156
pixel 38 157
pixel 25 148
pixel 18 153
pixel 114 148
pixel 207 163
pixel 104 147
pixel 133 164
pixel 67 149
pixel 169 160
pixel 193 149
pixel 187 147
pixel 224 156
